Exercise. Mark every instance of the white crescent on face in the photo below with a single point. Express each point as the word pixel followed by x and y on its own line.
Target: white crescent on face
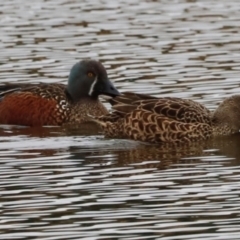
pixel 92 86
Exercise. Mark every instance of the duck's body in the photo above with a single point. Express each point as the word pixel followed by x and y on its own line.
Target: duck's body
pixel 58 104
pixel 167 120
pixel 46 104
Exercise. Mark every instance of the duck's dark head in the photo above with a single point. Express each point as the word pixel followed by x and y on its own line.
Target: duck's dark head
pixel 89 79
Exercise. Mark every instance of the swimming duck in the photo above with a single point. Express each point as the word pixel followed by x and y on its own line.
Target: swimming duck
pixel 168 120
pixel 57 104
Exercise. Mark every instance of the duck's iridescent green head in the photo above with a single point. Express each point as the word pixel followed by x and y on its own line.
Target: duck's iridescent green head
pixel 89 79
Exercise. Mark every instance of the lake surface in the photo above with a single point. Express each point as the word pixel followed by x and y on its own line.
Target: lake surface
pixel 61 183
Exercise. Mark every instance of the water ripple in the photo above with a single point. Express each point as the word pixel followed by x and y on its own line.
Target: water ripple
pixel 61 183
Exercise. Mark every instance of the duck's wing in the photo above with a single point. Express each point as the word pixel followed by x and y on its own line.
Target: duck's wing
pixel 182 110
pixel 148 126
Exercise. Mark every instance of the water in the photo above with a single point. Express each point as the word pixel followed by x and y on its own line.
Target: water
pixel 62 183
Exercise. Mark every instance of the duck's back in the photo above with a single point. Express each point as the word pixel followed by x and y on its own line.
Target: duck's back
pixel 182 110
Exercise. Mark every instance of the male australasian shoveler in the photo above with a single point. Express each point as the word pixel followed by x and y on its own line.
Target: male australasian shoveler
pixel 168 120
pixel 55 103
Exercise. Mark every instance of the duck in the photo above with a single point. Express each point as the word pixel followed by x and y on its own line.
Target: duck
pixel 168 120
pixel 56 104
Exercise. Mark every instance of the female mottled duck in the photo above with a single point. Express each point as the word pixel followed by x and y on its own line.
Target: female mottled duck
pixel 168 120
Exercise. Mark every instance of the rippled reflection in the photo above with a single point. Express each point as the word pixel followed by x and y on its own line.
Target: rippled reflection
pixel 72 183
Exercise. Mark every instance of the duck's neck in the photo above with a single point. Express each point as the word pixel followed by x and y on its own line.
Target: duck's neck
pixel 221 129
pixel 81 98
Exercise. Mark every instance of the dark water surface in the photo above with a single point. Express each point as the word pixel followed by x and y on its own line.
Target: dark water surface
pixel 61 183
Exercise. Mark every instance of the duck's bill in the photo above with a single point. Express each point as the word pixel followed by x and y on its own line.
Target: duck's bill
pixel 107 88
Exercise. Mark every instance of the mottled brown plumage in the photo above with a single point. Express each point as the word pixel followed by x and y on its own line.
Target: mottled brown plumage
pixel 168 120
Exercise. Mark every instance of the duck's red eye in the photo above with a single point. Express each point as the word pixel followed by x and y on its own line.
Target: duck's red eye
pixel 90 74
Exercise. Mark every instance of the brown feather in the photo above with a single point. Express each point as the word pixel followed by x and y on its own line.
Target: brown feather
pixel 27 109
pixel 169 120
pixel 45 104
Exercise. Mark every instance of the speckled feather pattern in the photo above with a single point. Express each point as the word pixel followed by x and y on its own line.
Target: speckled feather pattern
pixel 45 104
pixel 57 104
pixel 159 120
